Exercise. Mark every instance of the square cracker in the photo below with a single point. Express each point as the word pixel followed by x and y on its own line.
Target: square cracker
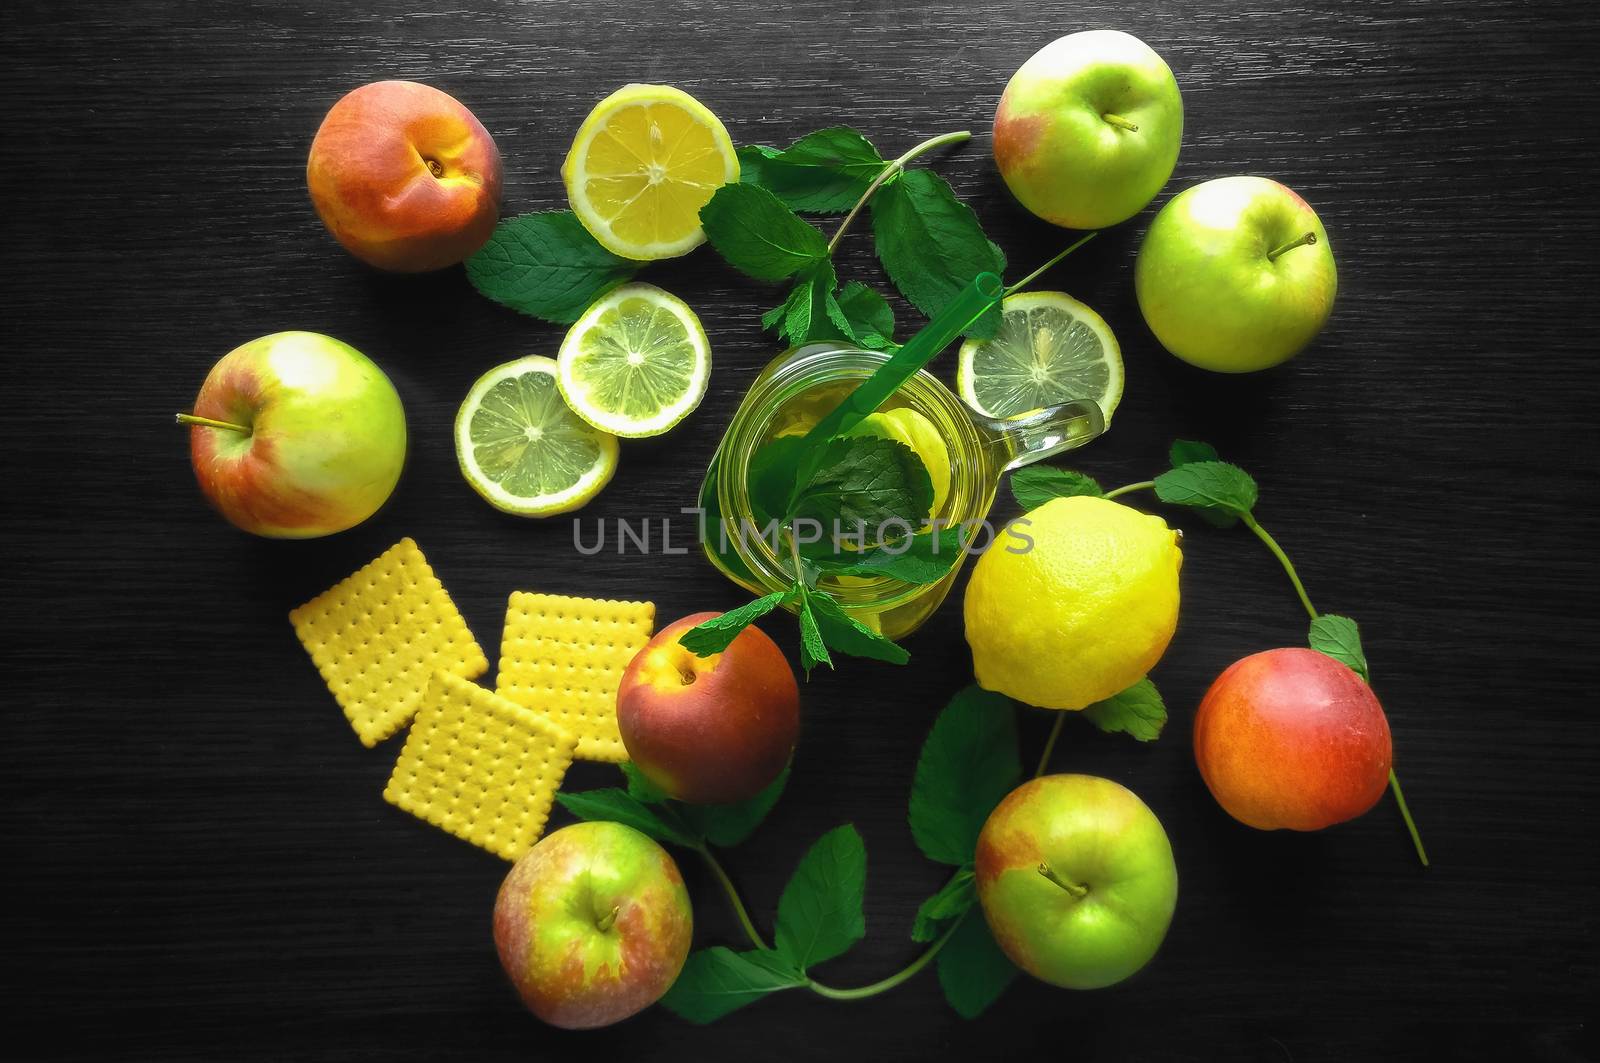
pixel 564 657
pixel 480 767
pixel 378 636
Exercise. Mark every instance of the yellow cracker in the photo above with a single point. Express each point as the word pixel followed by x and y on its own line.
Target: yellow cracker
pixel 564 657
pixel 480 767
pixel 378 636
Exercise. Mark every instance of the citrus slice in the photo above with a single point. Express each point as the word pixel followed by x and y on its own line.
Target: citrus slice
pixel 636 363
pixel 644 162
pixel 522 449
pixel 1050 349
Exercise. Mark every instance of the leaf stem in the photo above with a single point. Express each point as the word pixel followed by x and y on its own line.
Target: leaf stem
pixel 888 173
pixel 208 422
pixel 1030 278
pixel 1405 814
pixel 1129 488
pixel 1283 559
pixel 734 899
pixel 1050 744
pixel 882 985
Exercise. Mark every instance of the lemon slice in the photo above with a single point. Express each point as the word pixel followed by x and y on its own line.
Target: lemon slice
pixel 522 449
pixel 644 162
pixel 1050 349
pixel 636 363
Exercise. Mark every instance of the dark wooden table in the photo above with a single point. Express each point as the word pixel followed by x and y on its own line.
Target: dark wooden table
pixel 199 864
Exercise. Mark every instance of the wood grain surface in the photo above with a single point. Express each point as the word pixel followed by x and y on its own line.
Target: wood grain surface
pixel 199 864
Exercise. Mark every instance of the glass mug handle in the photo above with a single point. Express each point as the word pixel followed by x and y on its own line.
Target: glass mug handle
pixel 1030 437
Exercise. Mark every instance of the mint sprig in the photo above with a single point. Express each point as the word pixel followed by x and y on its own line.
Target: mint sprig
pixel 825 172
pixel 931 245
pixel 1137 711
pixel 546 265
pixel 1034 485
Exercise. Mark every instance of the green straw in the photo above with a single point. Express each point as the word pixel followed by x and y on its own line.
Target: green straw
pixel 975 300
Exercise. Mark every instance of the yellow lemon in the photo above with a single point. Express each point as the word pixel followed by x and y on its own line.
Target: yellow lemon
pixel 644 162
pixel 1074 603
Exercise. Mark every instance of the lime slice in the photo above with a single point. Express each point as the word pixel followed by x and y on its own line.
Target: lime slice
pixel 644 162
pixel 522 449
pixel 1050 349
pixel 636 363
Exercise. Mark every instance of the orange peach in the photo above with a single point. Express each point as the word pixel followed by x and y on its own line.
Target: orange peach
pixel 405 177
pixel 709 730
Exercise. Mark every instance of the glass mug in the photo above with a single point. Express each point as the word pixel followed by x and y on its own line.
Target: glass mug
pixel 801 386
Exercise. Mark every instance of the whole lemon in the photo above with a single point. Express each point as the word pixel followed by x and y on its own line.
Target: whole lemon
pixel 1073 603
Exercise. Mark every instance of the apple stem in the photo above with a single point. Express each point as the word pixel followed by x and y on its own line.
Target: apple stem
pixel 1120 122
pixel 1050 744
pixel 1303 240
pixel 1079 892
pixel 889 171
pixel 208 422
pixel 1030 278
pixel 732 891
pixel 607 921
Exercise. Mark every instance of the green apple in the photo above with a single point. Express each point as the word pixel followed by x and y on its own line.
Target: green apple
pixel 1076 879
pixel 296 435
pixel 1236 275
pixel 1087 130
pixel 592 924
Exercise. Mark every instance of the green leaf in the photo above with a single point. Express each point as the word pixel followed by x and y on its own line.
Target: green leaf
pixel 1034 485
pixel 640 788
pixel 759 236
pixel 973 972
pixel 1189 451
pixel 954 899
pixel 824 172
pixel 619 807
pixel 931 244
pixel 1213 487
pixel 813 650
pixel 968 763
pixel 728 825
pixel 1138 711
pixel 546 265
pixel 1340 638
pixel 865 481
pixel 772 473
pixel 868 317
pixel 845 633
pixel 807 312
pixel 820 913
pixel 715 635
pixel 717 981
pixel 923 558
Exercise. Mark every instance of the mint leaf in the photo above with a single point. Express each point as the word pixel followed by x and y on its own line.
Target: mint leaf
pixel 1034 485
pixel 824 172
pixel 923 558
pixel 968 763
pixel 715 635
pixel 973 972
pixel 845 633
pixel 727 825
pixel 868 317
pixel 640 788
pixel 865 481
pixel 1212 487
pixel 717 981
pixel 807 313
pixel 1188 451
pixel 758 235
pixel 1339 638
pixel 954 899
pixel 619 807
pixel 772 474
pixel 819 914
pixel 813 650
pixel 546 265
pixel 931 244
pixel 1138 711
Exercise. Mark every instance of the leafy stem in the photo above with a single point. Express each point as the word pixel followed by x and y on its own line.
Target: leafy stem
pixel 1288 566
pixel 905 973
pixel 889 172
pixel 1030 278
pixel 1050 744
pixel 1129 488
pixel 721 875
